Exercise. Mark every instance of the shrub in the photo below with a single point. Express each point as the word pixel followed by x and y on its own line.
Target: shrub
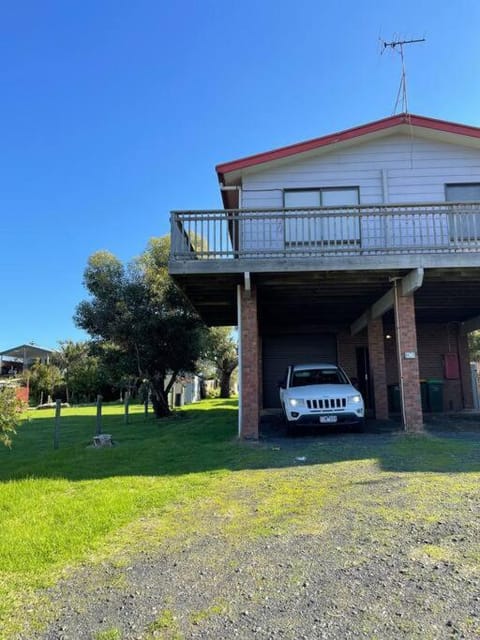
pixel 10 412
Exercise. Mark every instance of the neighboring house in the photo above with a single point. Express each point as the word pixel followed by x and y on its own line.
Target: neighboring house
pixel 185 390
pixel 361 247
pixel 17 359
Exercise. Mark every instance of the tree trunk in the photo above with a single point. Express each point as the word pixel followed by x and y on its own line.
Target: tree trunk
pixel 225 384
pixel 159 398
pixel 225 370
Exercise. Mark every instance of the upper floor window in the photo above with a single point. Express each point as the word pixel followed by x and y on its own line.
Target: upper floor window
pixel 465 192
pixel 317 227
pixel 322 197
pixel 464 225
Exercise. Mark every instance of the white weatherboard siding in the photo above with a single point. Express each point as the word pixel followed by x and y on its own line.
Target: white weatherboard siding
pixel 395 169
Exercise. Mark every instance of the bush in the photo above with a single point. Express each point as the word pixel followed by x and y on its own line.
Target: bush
pixel 10 412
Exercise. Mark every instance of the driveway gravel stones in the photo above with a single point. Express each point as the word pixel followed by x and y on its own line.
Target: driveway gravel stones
pixel 363 575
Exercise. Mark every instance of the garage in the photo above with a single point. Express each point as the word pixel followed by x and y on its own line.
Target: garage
pixel 281 350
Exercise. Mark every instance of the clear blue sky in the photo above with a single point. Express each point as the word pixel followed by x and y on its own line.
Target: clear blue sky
pixel 114 113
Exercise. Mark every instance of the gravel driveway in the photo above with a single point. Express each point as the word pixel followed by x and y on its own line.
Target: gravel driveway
pixel 348 573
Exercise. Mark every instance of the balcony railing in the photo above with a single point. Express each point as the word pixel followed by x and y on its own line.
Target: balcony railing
pixel 328 231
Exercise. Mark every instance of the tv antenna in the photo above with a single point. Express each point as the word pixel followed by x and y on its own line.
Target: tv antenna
pixel 397 45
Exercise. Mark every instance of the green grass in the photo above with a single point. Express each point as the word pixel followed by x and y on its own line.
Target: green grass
pixel 170 480
pixel 165 627
pixel 109 634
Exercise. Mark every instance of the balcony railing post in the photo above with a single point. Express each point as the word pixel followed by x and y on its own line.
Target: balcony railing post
pixel 326 232
pixel 174 244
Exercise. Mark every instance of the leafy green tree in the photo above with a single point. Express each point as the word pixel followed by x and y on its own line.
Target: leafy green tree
pixel 72 359
pixel 139 309
pixel 10 414
pixel 92 367
pixel 221 350
pixel 116 368
pixel 43 379
pixel 86 379
pixel 474 345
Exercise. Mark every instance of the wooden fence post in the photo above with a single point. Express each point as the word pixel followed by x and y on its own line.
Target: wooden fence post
pixel 99 415
pixel 56 433
pixel 126 403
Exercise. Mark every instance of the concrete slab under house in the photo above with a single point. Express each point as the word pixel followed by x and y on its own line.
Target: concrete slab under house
pixel 361 247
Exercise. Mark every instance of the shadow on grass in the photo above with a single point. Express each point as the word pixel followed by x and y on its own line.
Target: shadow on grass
pixel 203 438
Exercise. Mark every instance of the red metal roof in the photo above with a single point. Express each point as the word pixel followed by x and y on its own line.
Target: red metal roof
pixel 348 134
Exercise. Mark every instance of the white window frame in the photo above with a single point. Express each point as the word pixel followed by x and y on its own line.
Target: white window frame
pixel 464 225
pixel 312 227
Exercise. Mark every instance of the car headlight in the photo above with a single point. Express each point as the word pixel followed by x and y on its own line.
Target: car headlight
pixel 356 399
pixel 296 402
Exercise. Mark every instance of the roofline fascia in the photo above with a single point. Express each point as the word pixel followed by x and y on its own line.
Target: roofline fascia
pixel 443 126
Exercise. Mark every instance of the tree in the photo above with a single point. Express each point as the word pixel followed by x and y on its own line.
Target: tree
pixel 139 309
pixel 10 413
pixel 71 358
pixel 43 378
pixel 93 367
pixel 116 368
pixel 474 345
pixel 221 349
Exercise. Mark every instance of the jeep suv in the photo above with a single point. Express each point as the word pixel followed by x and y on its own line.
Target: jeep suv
pixel 320 395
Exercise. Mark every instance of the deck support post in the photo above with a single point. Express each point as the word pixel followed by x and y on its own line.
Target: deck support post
pixel 376 350
pixel 407 357
pixel 249 360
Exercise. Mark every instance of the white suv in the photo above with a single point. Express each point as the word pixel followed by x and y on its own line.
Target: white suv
pixel 322 395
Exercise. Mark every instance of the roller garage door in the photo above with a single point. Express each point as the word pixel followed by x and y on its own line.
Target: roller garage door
pixel 280 351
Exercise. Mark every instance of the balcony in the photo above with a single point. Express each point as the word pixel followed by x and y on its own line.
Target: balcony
pixel 360 237
pixel 333 261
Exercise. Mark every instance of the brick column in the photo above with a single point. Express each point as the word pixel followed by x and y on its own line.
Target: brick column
pixel 406 334
pixel 465 372
pixel 376 353
pixel 249 364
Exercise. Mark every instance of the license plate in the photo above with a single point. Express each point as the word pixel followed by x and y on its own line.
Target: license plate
pixel 328 418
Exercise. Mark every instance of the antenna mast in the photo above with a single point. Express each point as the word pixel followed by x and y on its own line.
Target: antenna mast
pixel 397 45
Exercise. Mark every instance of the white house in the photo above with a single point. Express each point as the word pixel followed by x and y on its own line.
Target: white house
pixel 361 247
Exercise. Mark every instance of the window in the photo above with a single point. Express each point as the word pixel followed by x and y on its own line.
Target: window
pixel 321 228
pixel 463 192
pixel 302 198
pixel 306 377
pixel 326 197
pixel 464 222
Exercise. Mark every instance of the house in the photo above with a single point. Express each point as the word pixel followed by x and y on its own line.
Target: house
pixel 361 247
pixel 185 390
pixel 17 359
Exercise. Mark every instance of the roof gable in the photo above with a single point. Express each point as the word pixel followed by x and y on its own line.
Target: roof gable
pixel 401 123
pixel 27 351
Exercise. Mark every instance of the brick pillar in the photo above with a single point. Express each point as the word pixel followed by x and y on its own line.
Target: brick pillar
pixel 376 353
pixel 465 372
pixel 249 365
pixel 406 334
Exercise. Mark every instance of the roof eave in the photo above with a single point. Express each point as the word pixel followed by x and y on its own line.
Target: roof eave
pixel 225 170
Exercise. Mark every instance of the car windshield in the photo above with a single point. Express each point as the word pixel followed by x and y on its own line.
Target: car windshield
pixel 307 377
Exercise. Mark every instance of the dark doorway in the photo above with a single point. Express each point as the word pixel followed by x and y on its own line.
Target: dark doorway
pixel 364 379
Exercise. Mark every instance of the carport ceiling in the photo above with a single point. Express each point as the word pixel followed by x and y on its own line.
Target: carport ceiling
pixel 339 298
pixel 333 298
pixel 325 298
pixel 448 296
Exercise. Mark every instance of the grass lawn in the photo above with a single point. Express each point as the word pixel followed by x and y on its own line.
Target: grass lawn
pixel 169 480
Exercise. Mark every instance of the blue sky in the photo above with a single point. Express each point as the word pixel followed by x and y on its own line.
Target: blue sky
pixel 113 113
